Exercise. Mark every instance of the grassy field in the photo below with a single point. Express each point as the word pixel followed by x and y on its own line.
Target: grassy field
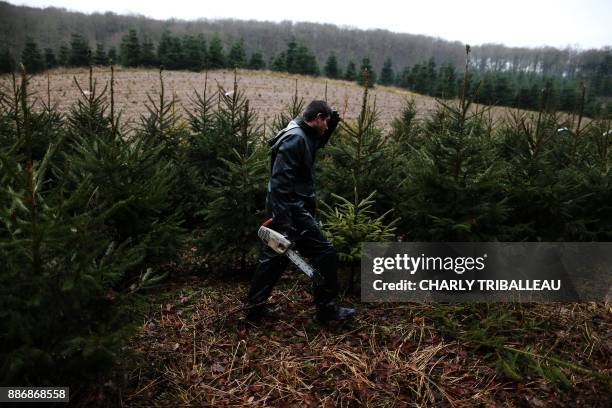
pixel 268 92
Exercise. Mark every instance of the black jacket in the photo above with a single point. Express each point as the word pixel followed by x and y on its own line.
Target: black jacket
pixel 292 183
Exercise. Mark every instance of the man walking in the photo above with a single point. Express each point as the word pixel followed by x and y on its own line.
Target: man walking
pixel 291 203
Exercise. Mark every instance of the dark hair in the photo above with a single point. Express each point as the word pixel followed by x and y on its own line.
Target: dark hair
pixel 314 108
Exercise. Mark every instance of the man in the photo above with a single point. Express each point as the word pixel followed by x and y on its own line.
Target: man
pixel 291 203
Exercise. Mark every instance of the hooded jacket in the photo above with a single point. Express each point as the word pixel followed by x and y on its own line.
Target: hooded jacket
pixel 292 181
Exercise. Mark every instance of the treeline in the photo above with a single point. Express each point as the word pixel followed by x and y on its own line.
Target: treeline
pixel 53 27
pixel 196 53
pixel 516 90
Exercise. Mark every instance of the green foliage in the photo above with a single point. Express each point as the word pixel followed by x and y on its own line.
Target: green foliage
pixel 228 141
pixel 331 66
pixel 491 327
pixel 130 49
pixel 216 55
pixel 135 170
pixel 170 51
pixel 256 61
pixel 50 60
pixel 356 160
pixel 351 72
pixel 349 225
pixel 31 57
pixel 297 59
pixel 64 56
pixel 367 76
pixel 7 62
pixel 112 56
pixel 100 57
pixel 387 77
pixel 147 54
pixel 58 322
pixel 237 57
pixel 193 56
pixel 80 53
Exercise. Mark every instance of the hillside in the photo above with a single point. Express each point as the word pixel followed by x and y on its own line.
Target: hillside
pixel 52 27
pixel 268 92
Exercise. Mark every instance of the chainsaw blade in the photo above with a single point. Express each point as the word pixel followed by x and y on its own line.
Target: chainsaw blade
pixel 300 262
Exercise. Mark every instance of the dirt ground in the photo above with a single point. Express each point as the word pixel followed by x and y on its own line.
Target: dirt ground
pixel 268 92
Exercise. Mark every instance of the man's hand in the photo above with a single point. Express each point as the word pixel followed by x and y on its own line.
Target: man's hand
pixel 333 122
pixel 284 229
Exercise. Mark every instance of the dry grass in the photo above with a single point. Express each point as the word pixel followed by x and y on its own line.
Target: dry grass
pixel 195 349
pixel 268 92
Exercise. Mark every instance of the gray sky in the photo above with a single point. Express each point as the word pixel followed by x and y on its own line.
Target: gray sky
pixel 531 23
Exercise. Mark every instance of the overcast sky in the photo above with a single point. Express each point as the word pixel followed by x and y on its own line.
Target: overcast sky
pixel 531 23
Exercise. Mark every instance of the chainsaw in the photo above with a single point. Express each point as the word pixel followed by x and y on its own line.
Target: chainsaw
pixel 281 245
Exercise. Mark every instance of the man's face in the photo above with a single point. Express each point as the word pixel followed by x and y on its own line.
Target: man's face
pixel 321 122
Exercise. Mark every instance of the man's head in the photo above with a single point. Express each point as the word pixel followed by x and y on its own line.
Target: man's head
pixel 317 115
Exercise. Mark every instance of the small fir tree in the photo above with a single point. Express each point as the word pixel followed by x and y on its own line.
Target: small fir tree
pixel 50 60
pixel 31 56
pixel 367 77
pixel 387 77
pixel 237 57
pixel 80 53
pixel 216 56
pixel 331 66
pixel 257 61
pixel 130 49
pixel 351 72
pixel 100 57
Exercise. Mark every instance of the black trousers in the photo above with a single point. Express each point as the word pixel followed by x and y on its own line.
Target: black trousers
pixel 310 242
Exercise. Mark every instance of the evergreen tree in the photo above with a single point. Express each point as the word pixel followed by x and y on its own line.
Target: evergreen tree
pixel 130 49
pixel 216 56
pixel 568 100
pixel 405 78
pixel 237 57
pixel 331 66
pixel 80 53
pixel 58 264
pixel 237 189
pixel 112 55
pixel 192 51
pixel 305 62
pixel 7 62
pixel 454 177
pixel 64 56
pixel 147 55
pixel 256 61
pixel 50 60
pixel 359 158
pixel 278 62
pixel 366 71
pixel 203 50
pixel 291 64
pixel 100 57
pixel 31 56
pixel 387 77
pixel 170 52
pixel 351 72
